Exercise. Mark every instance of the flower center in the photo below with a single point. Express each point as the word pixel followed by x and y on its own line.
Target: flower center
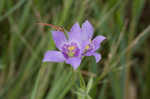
pixel 88 48
pixel 70 50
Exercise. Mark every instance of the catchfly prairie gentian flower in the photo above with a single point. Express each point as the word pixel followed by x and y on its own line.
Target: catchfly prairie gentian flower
pixel 78 44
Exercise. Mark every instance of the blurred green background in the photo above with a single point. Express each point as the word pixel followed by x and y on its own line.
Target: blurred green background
pixel 123 72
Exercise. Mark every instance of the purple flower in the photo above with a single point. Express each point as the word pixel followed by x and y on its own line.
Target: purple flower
pixel 77 45
pixel 90 46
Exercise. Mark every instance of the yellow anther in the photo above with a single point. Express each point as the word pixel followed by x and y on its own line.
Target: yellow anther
pixel 70 48
pixel 87 47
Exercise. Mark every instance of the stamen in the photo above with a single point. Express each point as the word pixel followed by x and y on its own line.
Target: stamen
pixel 70 48
pixel 87 47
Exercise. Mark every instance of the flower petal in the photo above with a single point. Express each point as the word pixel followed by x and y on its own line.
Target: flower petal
pixel 97 41
pixel 97 57
pixel 75 33
pixel 59 38
pixel 89 54
pixel 84 44
pixel 75 62
pixel 53 56
pixel 87 30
